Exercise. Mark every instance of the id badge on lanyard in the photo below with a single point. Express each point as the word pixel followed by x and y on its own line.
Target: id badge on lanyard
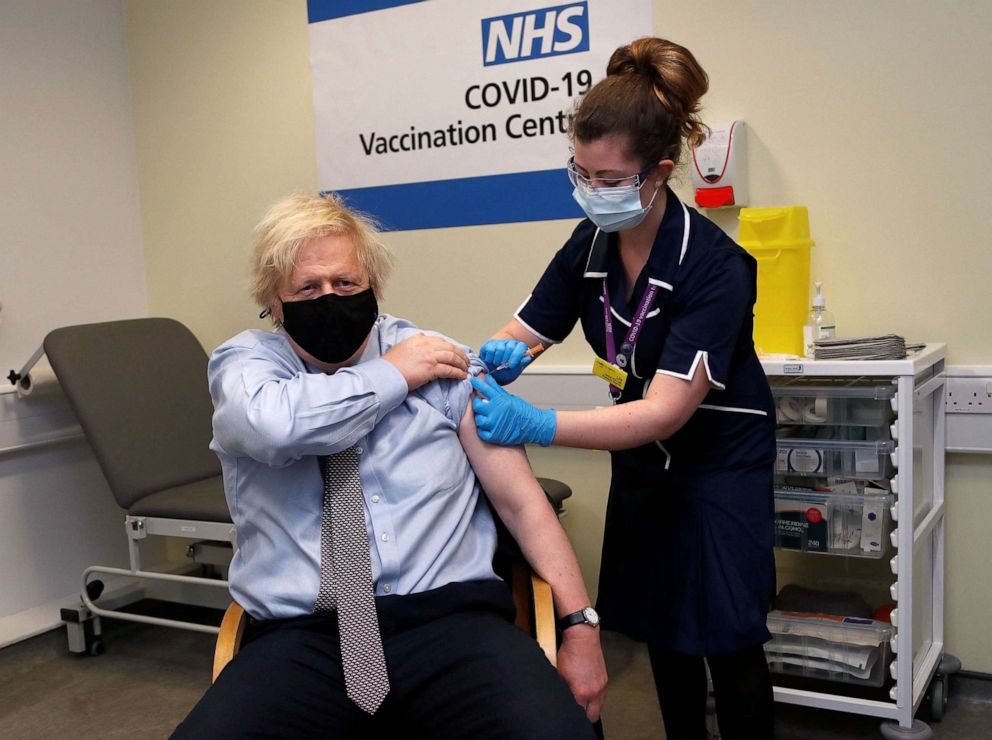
pixel 613 370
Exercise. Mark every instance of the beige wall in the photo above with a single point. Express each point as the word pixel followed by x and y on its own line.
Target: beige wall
pixel 875 115
pixel 70 253
pixel 224 125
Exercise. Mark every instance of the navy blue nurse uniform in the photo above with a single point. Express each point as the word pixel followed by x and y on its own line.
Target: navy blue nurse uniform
pixel 688 549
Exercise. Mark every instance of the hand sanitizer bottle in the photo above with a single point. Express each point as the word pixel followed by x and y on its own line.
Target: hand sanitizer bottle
pixel 819 324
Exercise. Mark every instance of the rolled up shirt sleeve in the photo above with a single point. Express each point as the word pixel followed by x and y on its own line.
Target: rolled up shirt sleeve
pixel 268 407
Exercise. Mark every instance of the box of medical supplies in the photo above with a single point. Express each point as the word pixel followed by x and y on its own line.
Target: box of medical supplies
pixel 842 402
pixel 778 239
pixel 822 646
pixel 822 451
pixel 835 523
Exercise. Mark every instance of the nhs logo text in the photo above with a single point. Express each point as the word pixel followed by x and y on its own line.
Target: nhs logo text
pixel 537 33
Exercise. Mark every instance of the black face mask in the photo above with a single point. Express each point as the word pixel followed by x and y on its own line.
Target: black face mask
pixel 331 328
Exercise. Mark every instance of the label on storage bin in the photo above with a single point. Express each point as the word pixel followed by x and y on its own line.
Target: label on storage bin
pixel 799 460
pixel 800 526
pixel 871 525
pixel 866 461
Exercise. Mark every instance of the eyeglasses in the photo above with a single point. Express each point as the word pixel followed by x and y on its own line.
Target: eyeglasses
pixel 630 182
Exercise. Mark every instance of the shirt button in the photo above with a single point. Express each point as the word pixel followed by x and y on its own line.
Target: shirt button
pixel 358 450
pixel 385 538
pixel 375 499
pixel 387 588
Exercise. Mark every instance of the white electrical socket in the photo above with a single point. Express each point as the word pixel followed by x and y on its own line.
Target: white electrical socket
pixel 968 395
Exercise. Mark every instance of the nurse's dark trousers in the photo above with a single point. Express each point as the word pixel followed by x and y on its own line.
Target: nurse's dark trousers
pixel 458 668
pixel 742 688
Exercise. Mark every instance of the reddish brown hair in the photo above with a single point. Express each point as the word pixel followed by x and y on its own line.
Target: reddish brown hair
pixel 650 95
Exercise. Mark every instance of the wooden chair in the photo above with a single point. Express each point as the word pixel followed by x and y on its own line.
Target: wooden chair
pixel 531 594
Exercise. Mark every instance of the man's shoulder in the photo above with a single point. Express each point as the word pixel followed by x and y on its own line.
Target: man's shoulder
pixel 393 330
pixel 253 339
pixel 255 343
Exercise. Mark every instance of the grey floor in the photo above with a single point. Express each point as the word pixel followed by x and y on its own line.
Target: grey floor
pixel 150 677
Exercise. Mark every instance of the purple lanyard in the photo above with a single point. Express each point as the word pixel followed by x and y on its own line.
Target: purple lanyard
pixel 630 341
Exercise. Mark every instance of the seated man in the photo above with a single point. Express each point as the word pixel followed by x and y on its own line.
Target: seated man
pixel 353 470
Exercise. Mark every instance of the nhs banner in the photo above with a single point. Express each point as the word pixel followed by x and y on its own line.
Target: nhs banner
pixel 455 112
pixel 512 38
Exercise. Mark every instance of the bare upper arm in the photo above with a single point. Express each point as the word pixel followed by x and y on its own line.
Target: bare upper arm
pixel 503 472
pixel 491 462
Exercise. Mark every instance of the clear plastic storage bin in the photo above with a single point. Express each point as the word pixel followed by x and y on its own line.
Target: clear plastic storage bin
pixel 835 523
pixel 844 649
pixel 842 402
pixel 805 456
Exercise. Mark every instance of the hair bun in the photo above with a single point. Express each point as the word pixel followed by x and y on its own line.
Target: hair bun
pixel 676 77
pixel 635 58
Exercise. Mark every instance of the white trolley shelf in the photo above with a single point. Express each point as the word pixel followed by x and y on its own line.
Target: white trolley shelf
pixel 904 448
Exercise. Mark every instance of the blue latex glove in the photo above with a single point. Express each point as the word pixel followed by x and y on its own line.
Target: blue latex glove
pixel 505 419
pixel 510 352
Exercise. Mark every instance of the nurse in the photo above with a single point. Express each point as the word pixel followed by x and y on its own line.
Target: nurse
pixel 665 300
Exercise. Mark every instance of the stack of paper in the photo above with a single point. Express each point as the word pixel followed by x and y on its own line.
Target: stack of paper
pixel 848 646
pixel 884 347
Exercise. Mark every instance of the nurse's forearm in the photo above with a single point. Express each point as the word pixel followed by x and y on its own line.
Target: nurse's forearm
pixel 668 406
pixel 515 330
pixel 613 428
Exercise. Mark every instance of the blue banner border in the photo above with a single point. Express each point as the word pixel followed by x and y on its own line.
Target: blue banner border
pixel 326 10
pixel 543 195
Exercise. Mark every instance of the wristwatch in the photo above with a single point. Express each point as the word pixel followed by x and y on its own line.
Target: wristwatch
pixel 583 616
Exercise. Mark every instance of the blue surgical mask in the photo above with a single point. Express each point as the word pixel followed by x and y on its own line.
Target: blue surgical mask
pixel 613 209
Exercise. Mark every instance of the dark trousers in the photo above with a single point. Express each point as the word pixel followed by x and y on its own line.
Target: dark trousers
pixel 742 688
pixel 458 668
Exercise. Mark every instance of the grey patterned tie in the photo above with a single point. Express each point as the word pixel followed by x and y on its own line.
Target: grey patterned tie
pixel 346 581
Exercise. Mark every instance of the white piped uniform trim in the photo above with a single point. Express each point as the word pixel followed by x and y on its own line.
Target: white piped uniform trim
pixel 668 455
pixel 592 247
pixel 685 232
pixel 661 284
pixel 734 409
pixel 536 333
pixel 705 357
pixel 521 306
pixel 650 314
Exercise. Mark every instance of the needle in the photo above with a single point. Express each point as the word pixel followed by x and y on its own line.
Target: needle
pixel 532 352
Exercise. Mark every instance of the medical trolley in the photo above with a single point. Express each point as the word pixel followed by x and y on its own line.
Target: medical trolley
pixel 859 505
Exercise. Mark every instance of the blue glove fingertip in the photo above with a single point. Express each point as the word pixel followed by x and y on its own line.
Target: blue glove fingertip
pixel 494 387
pixel 488 353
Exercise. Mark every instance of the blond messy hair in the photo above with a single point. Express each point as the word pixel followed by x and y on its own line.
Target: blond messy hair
pixel 297 219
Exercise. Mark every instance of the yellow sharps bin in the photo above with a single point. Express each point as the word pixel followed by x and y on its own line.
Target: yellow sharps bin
pixel 778 238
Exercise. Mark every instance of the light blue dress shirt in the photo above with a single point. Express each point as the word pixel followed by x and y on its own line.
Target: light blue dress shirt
pixel 274 415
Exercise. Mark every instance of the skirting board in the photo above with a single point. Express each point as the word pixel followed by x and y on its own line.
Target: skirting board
pixel 32 622
pixel 118 591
